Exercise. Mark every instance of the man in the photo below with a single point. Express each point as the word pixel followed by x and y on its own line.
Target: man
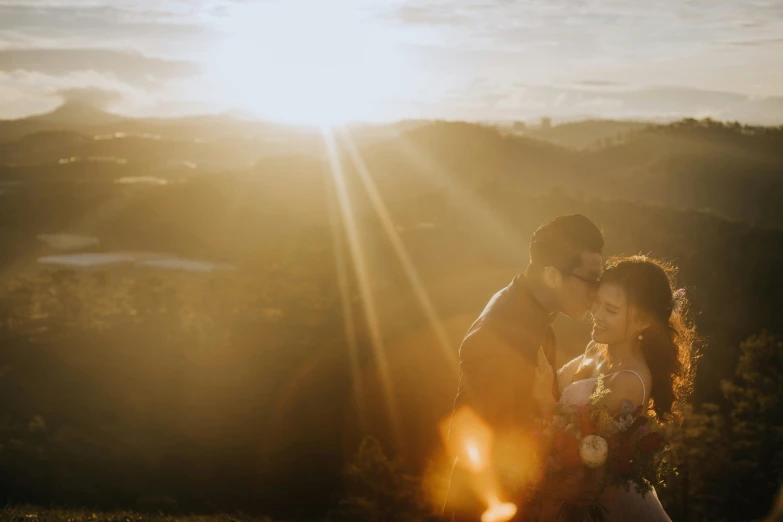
pixel 498 357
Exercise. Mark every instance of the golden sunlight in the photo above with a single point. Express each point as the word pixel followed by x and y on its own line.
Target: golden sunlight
pixel 499 512
pixel 299 62
pixel 469 438
pixel 362 274
pixel 474 455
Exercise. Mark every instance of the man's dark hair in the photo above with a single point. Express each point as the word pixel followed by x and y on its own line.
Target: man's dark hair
pixel 561 242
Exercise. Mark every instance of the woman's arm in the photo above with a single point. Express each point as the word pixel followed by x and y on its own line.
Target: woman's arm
pixel 624 385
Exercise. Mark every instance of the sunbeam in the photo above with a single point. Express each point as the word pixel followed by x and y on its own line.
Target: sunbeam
pixel 360 270
pixel 399 248
pixel 341 264
pixel 471 205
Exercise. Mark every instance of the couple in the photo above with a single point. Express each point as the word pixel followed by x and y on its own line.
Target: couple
pixel 639 344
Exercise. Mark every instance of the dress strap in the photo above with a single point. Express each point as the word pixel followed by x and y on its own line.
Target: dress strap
pixel 644 389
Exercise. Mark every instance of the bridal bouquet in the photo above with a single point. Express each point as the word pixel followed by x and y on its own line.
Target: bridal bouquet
pixel 589 450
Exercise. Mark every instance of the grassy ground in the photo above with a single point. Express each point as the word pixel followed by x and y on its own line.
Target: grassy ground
pixel 34 514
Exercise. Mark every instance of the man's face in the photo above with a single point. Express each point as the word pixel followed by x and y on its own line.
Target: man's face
pixel 579 287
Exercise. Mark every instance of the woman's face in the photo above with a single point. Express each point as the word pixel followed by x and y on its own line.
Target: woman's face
pixel 614 321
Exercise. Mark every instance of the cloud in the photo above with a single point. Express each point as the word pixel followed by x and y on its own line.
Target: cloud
pixel 103 99
pixel 23 93
pixel 431 14
pixel 639 29
pixel 597 83
pixel 130 67
pixel 761 42
pixel 86 22
pixel 594 55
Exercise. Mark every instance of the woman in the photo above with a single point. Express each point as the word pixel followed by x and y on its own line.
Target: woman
pixel 642 345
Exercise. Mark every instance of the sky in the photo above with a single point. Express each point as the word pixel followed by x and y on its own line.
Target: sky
pixel 316 60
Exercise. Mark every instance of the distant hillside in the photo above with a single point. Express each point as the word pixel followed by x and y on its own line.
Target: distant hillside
pixel 75 113
pixel 727 169
pixel 583 134
pixel 45 148
pixel 466 156
pixel 77 130
pixel 83 118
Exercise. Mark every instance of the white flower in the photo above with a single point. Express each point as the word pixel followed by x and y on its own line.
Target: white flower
pixel 626 407
pixel 593 451
pixel 624 422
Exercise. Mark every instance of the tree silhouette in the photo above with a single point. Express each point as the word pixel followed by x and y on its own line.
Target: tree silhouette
pixel 755 426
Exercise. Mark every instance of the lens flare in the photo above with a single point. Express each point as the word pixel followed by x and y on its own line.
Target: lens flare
pixel 468 438
pixel 474 456
pixel 499 512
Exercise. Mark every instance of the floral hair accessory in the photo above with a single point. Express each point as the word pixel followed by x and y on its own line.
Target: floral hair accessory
pixel 677 300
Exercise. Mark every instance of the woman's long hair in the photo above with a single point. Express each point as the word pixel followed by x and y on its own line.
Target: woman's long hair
pixel 668 344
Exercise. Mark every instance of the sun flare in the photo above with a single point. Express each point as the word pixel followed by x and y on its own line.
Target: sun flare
pixel 300 62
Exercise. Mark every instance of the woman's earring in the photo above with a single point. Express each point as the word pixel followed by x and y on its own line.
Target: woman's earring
pixel 640 337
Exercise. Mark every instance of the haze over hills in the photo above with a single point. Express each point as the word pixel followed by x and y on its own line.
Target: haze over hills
pixel 83 116
pixel 688 164
pixel 585 134
pixel 212 259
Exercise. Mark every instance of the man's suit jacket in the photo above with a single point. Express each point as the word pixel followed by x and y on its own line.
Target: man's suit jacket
pixel 498 358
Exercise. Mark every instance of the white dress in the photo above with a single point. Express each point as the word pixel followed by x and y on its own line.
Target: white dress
pixel 622 506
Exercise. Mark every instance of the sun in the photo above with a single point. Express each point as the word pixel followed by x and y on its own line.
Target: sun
pixel 305 62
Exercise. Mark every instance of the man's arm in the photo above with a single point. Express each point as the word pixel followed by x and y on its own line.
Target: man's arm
pixel 497 380
pixel 544 385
